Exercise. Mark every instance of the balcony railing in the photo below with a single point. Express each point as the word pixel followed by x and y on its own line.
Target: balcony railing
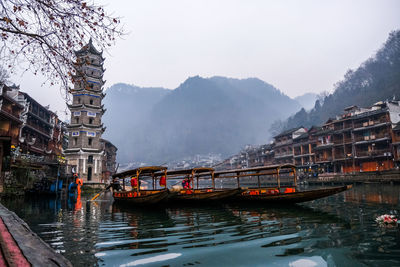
pixel 374 153
pixel 324 144
pixel 286 142
pixel 369 123
pixel 283 155
pixel 370 137
pixel 338 142
pixel 42 130
pixel 323 159
pixel 340 156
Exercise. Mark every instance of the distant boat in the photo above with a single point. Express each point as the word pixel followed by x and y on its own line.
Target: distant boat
pixel 137 196
pixel 278 194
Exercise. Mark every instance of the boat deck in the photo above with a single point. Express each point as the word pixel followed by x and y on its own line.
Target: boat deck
pixel 22 247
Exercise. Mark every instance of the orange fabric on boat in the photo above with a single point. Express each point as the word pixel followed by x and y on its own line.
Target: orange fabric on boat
pixel 163 181
pixel 134 182
pixel 290 190
pixel 253 193
pixel 273 191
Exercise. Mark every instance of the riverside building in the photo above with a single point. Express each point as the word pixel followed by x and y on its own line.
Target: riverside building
pixel 85 150
pixel 359 140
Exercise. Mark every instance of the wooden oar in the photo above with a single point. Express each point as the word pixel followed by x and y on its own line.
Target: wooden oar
pixel 108 187
pixel 101 192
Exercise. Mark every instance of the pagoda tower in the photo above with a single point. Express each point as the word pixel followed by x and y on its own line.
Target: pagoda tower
pixel 85 151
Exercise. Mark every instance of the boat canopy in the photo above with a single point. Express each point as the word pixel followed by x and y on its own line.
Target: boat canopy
pixel 148 170
pixel 272 170
pixel 198 173
pixel 188 171
pixel 259 169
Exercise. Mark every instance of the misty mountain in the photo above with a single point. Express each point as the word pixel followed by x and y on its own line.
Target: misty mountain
pixel 376 79
pixel 127 109
pixel 307 101
pixel 201 116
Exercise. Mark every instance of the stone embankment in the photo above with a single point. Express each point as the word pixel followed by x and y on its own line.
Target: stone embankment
pixel 22 247
pixel 392 176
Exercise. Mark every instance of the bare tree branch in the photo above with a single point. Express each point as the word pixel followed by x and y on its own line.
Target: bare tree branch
pixel 44 34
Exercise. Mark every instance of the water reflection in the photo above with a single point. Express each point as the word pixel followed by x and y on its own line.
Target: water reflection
pixel 374 194
pixel 339 230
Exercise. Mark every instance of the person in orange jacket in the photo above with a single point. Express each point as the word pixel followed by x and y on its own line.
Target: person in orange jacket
pixel 79 183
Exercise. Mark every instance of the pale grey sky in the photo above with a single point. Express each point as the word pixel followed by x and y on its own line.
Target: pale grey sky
pixel 297 46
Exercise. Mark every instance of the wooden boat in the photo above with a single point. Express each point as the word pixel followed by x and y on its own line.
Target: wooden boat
pixel 279 193
pixel 262 195
pixel 137 196
pixel 199 195
pixel 142 197
pixel 196 194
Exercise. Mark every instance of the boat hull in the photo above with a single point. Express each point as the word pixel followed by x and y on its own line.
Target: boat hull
pixel 295 197
pixel 186 196
pixel 141 199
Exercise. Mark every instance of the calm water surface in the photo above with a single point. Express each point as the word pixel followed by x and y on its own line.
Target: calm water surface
pixel 335 231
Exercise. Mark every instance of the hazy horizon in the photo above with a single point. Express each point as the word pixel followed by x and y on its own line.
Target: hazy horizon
pixel 298 47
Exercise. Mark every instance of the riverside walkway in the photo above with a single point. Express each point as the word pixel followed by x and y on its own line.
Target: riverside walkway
pixel 22 247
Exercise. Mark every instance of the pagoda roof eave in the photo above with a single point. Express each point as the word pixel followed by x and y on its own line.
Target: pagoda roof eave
pixel 91 126
pixel 86 106
pixel 89 47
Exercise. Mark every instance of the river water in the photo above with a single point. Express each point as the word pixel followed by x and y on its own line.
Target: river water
pixel 335 231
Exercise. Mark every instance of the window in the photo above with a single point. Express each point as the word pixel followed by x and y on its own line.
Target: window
pixel 90 121
pixel 90 159
pixel 75 141
pixel 79 100
pixel 90 141
pixel 91 101
pixel 76 120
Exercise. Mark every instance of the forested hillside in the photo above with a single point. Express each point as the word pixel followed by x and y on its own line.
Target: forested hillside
pixel 378 78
